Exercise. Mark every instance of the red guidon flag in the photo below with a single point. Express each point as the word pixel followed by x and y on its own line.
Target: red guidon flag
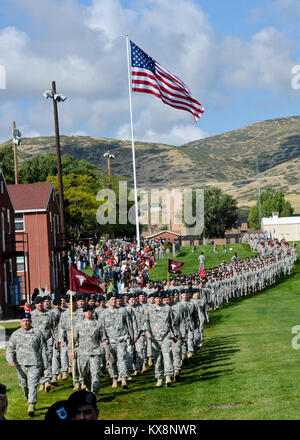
pixel 174 266
pixel 202 272
pixel 83 283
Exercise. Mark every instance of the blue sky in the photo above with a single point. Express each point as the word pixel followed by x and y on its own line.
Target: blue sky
pixel 236 57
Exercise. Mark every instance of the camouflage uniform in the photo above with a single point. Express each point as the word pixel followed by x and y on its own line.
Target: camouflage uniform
pixel 180 326
pixel 28 350
pixel 138 349
pixel 118 327
pixel 88 335
pixel 65 335
pixel 44 322
pixel 159 323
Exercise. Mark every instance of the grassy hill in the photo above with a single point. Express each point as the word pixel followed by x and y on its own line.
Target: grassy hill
pixel 247 369
pixel 227 160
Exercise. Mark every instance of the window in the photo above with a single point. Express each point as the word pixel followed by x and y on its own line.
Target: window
pixel 8 221
pixel 20 264
pixel 2 189
pixel 19 222
pixel 50 221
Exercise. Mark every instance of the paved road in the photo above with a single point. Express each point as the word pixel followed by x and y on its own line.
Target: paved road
pixel 3 336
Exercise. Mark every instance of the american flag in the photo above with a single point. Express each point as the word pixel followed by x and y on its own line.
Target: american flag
pixel 148 76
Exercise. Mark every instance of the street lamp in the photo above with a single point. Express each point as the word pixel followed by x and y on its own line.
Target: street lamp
pixel 16 141
pixel 109 157
pixel 58 98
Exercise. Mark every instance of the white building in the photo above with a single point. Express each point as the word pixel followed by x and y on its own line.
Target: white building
pixel 281 227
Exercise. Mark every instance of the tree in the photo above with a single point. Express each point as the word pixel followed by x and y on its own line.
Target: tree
pixel 81 205
pixel 220 213
pixel 271 200
pixel 7 163
pixel 39 167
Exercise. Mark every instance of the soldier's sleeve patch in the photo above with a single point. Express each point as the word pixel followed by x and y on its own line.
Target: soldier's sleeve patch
pixel 62 413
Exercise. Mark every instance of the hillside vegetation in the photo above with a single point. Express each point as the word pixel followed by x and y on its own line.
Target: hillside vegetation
pixel 227 160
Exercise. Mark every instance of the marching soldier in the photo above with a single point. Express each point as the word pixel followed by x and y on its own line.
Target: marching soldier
pixel 118 327
pixel 161 330
pixel 27 351
pixel 88 335
pixel 42 320
pixel 65 340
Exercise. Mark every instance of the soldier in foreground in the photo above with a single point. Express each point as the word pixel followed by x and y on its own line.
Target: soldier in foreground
pixel 27 351
pixel 160 328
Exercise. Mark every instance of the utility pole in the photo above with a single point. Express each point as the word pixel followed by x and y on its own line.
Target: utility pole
pixel 58 157
pixel 16 141
pixel 258 193
pixel 109 157
pixel 58 98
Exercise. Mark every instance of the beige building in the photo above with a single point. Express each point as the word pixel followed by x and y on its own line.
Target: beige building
pixel 162 210
pixel 281 227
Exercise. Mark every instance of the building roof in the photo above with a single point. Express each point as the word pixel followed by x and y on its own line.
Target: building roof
pixel 30 196
pixel 275 220
pixel 163 232
pixel 1 172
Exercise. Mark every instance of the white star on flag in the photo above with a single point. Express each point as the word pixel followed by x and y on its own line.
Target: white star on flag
pixel 81 278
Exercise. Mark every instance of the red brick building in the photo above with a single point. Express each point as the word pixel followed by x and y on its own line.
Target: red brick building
pixel 164 235
pixel 7 247
pixel 36 214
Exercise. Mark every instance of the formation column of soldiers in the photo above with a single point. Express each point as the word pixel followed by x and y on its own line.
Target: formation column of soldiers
pixel 159 325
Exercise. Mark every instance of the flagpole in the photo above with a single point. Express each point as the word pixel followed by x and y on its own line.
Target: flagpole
pixel 168 277
pixel 133 150
pixel 72 338
pixel 72 326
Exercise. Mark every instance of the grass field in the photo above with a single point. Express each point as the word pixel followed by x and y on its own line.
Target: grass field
pixel 247 366
pixel 191 259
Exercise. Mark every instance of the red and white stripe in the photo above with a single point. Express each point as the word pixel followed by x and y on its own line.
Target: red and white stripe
pixel 166 86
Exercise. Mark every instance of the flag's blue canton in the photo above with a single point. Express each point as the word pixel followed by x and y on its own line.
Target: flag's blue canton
pixel 141 59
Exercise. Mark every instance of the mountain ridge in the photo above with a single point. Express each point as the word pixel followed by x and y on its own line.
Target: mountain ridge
pixel 227 160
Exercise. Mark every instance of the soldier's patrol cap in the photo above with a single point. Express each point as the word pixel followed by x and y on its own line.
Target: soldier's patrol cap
pixel 80 296
pixel 87 307
pixel 58 411
pixel 185 290
pixel 130 295
pixel 92 296
pixel 111 295
pixel 166 294
pixel 46 298
pixel 56 302
pixel 2 389
pixel 38 300
pixel 68 298
pixel 82 397
pixel 196 290
pixel 175 291
pixel 25 315
pixel 158 294
pixel 151 295
pixel 101 298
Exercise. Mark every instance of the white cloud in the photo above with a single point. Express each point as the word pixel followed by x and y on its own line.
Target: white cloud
pixel 177 134
pixel 83 49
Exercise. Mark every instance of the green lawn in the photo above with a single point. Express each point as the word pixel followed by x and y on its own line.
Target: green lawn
pixel 247 359
pixel 191 259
